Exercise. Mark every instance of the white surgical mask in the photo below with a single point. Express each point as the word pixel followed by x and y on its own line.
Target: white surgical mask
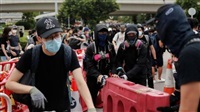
pixel 53 45
pixel 14 31
pixel 140 33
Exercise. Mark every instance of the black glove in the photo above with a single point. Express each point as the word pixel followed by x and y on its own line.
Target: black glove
pixel 155 63
pixel 169 109
pixel 103 80
pixel 121 73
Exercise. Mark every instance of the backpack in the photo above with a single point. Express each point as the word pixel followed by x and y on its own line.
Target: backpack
pixel 29 76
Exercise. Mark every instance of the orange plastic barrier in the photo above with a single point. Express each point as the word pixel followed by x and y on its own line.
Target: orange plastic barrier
pixel 124 96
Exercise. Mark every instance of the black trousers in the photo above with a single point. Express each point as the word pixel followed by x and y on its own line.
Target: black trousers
pixel 150 76
pixel 93 87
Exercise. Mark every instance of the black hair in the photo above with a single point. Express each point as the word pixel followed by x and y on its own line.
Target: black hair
pixel 193 22
pixel 75 30
pixel 6 32
pixel 140 26
pixel 80 27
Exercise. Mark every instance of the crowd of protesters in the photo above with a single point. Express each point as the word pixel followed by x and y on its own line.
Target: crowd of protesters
pixel 129 51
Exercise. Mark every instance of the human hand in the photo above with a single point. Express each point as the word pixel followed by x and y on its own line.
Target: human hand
pixel 124 77
pixel 91 110
pixel 8 58
pixel 174 108
pixel 155 63
pixel 37 98
pixel 115 75
pixel 102 79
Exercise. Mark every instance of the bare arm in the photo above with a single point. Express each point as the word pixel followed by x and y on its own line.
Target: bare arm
pixel 153 52
pixel 190 95
pixel 13 85
pixel 114 40
pixel 160 44
pixel 82 87
pixel 20 47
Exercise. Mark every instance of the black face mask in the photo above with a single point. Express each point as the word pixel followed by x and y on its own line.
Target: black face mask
pixel 131 40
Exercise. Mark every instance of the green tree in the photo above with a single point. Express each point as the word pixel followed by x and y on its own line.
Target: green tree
pixel 28 20
pixel 91 11
pixel 186 4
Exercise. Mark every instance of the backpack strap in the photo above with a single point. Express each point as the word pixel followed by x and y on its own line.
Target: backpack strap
pixel 35 60
pixel 67 61
pixel 147 38
pixel 67 56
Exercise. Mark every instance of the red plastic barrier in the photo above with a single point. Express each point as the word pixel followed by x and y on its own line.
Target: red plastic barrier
pixel 124 96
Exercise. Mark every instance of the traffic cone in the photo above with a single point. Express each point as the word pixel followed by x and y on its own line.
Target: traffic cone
pixel 75 103
pixel 169 79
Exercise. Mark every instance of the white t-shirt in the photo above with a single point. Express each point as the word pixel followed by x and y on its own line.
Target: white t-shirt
pixel 119 38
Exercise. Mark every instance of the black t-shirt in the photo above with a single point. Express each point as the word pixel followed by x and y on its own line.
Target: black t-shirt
pixel 14 40
pixel 189 63
pixel 3 40
pixel 75 43
pixel 51 77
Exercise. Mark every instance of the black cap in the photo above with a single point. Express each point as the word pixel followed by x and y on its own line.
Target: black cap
pixel 47 26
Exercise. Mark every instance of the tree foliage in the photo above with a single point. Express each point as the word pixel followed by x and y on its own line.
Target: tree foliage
pixel 186 4
pixel 28 20
pixel 90 11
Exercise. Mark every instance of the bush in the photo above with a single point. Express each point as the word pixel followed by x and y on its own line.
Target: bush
pixel 23 40
pixel 27 25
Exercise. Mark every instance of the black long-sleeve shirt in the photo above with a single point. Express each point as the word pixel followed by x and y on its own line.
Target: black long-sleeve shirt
pixel 133 59
pixel 96 68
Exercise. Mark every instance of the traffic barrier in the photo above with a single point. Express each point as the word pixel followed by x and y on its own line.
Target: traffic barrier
pixel 99 102
pixel 75 103
pixel 169 79
pixel 8 103
pixel 124 96
pixel 6 69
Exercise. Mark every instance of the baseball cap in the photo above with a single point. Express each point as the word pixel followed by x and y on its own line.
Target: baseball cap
pixel 47 26
pixel 86 29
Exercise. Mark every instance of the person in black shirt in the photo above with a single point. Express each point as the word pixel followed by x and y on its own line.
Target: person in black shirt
pixel 175 32
pixel 4 40
pixel 98 61
pixel 132 56
pixel 50 90
pixel 150 50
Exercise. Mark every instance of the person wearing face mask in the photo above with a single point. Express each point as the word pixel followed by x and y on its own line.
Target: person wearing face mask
pixel 150 48
pixel 75 40
pixel 119 38
pixel 176 33
pixel 15 47
pixel 98 61
pixel 50 90
pixel 4 40
pixel 132 57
